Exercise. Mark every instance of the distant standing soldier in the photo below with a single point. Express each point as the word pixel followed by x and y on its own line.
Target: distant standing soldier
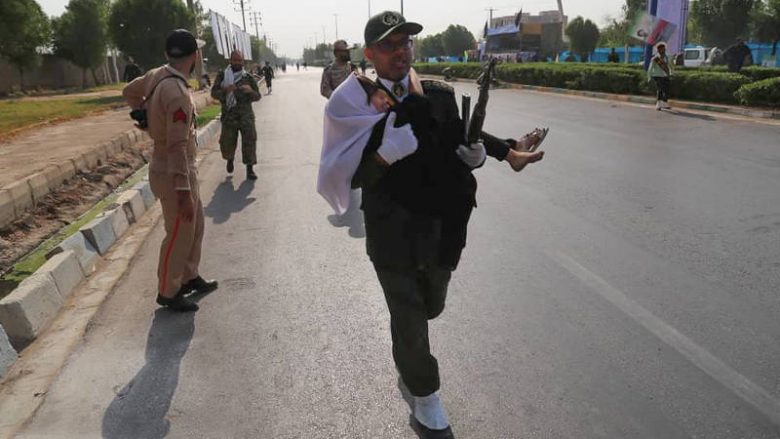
pixel 363 65
pixel 297 67
pixel 132 70
pixel 737 54
pixel 613 56
pixel 165 95
pixel 268 74
pixel 236 90
pixel 337 71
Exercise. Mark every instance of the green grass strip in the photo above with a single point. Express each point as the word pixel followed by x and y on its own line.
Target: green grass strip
pixel 18 114
pixel 207 114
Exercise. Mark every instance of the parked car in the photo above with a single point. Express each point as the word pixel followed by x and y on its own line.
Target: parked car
pixel 703 56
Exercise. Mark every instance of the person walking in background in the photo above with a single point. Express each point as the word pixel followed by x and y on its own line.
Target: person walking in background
pixel 132 70
pixel 236 90
pixel 660 71
pixel 268 75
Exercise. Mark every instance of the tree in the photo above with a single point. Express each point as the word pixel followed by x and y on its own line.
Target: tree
pixel 721 22
pixel 431 46
pixel 456 40
pixel 318 55
pixel 584 36
pixel 261 52
pixel 81 35
pixel 766 23
pixel 616 32
pixel 23 29
pixel 139 27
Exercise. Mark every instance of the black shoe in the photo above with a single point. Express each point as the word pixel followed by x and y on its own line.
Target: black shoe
pixel 427 433
pixel 200 286
pixel 178 303
pixel 230 166
pixel 250 173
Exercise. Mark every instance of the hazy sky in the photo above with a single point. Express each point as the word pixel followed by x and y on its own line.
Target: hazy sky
pixel 293 24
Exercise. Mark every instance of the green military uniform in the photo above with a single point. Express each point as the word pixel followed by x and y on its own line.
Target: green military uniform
pixel 238 119
pixel 333 75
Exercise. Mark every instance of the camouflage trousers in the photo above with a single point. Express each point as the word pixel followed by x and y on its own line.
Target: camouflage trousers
pixel 232 125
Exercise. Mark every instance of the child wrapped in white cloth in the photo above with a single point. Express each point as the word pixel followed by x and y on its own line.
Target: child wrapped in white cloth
pixel 350 116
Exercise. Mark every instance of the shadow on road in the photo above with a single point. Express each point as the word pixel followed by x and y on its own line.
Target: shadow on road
pixel 353 218
pixel 690 115
pixel 139 409
pixel 226 200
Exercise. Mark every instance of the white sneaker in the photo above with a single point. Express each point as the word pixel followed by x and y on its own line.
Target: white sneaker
pixel 659 106
pixel 429 411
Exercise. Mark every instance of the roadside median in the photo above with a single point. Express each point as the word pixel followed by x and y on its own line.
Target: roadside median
pixel 30 308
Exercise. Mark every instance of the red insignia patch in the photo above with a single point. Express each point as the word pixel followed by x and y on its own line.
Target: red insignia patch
pixel 180 116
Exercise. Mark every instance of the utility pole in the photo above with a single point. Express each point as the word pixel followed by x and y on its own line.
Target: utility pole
pixel 336 16
pixel 323 35
pixel 256 18
pixel 491 10
pixel 243 5
pixel 402 7
pixel 369 9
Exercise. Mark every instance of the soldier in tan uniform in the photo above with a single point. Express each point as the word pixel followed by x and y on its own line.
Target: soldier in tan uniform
pixel 170 113
pixel 337 71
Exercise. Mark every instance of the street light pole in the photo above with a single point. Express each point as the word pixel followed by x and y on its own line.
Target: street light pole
pixel 336 16
pixel 369 9
pixel 402 7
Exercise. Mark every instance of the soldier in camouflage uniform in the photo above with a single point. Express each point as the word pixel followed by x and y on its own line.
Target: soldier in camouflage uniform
pixel 337 71
pixel 236 90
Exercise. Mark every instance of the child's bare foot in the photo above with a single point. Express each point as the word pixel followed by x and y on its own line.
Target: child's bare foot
pixel 529 140
pixel 520 159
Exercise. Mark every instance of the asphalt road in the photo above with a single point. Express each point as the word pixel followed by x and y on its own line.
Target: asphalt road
pixel 625 287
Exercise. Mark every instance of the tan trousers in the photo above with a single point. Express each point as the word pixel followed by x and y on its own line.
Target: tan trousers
pixel 181 249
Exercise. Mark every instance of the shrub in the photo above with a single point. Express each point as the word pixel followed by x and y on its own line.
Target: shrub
pixel 712 87
pixel 699 84
pixel 760 93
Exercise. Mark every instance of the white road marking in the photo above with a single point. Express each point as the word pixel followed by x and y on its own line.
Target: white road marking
pixel 711 365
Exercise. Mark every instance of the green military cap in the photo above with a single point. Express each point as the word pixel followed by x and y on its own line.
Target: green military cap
pixel 385 23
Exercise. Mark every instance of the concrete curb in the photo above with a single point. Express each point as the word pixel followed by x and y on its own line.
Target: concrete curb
pixel 29 308
pixel 8 354
pixel 132 202
pixel 26 193
pixel 27 311
pixel 723 109
pixel 100 233
pixel 86 254
pixel 64 268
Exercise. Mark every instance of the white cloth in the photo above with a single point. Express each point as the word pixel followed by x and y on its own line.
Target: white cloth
pixel 349 121
pixel 429 411
pixel 231 78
